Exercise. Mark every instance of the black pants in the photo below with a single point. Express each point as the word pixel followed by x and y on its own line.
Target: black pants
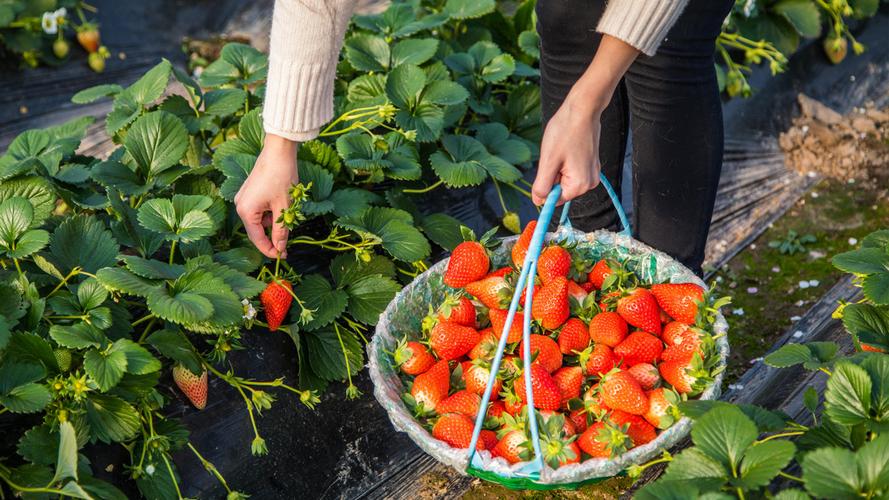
pixel 671 100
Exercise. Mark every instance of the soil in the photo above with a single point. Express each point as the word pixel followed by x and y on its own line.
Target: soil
pixel 854 146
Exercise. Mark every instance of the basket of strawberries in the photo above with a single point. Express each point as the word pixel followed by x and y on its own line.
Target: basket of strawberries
pixel 550 360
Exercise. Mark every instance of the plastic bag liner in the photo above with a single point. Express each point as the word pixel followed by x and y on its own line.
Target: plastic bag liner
pixel 404 314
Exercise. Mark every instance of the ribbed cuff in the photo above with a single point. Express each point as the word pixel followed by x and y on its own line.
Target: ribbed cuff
pixel 298 99
pixel 641 23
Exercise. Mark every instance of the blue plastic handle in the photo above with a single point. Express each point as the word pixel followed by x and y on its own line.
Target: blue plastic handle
pixel 526 281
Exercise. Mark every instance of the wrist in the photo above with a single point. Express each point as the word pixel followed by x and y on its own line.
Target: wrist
pixel 279 144
pixel 592 95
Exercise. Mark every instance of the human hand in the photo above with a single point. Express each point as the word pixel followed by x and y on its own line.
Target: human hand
pixel 266 193
pixel 569 152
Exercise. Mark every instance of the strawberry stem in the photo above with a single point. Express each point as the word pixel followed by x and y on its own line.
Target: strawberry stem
pixel 172 476
pixel 425 189
pixel 172 251
pixel 210 467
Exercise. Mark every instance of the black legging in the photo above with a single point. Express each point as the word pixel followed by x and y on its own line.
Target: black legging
pixel 672 102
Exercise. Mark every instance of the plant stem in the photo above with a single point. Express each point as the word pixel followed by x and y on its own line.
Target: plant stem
pixel 17 267
pixel 523 191
pixel 499 195
pixel 425 189
pixel 789 476
pixel 28 489
pixel 825 370
pixel 143 320
pixel 210 467
pixel 172 476
pixel 172 251
pixel 779 435
pixel 336 328
pixel 146 330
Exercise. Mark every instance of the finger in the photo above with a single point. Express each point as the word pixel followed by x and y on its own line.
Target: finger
pixel 252 219
pixel 547 175
pixel 267 220
pixel 279 232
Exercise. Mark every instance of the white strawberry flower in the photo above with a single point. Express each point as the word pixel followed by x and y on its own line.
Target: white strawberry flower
pixel 149 469
pixel 50 23
pixel 249 310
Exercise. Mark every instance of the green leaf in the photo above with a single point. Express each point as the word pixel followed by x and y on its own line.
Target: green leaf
pixel 792 494
pixel 830 473
pixel 236 168
pixel 876 288
pixel 156 141
pixel 802 14
pixel 82 241
pixel 763 461
pixel 442 229
pixel 152 269
pixel 404 84
pixel 96 92
pixel 77 336
pixel 862 261
pixel 529 42
pixel 367 88
pixel 348 201
pixel 101 489
pixel 139 360
pixel 694 464
pixel 668 490
pixel 395 230
pixel 498 69
pixel 877 239
pixel 105 367
pixel 121 280
pixel 28 243
pixel 496 139
pixel 66 464
pixel 124 111
pixel 369 296
pixel 27 398
pixel 367 53
pixel 180 307
pixel 868 323
pixel 111 419
pixel 847 399
pixel 468 9
pixel 74 490
pixel 462 165
pixel 37 190
pixel 445 92
pixel 27 347
pixel 426 119
pixel 873 464
pixel 174 345
pixel 771 27
pixel 39 445
pixel 326 302
pixel 413 51
pixel 789 355
pixel 16 215
pixel 91 294
pixel 238 63
pixel 224 102
pixel 184 218
pixel 877 366
pixel 724 433
pixel 321 179
pixel 326 355
pixel 151 85
pixel 119 176
pixel 346 269
pixel 15 373
pixel 811 399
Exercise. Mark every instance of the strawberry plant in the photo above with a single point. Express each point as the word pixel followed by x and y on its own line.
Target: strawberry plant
pixel 747 451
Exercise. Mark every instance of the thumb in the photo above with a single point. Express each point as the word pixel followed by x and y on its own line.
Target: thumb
pixel 279 232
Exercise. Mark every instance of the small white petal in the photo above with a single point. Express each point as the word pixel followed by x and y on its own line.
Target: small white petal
pixel 245 302
pixel 804 284
pixel 49 23
pixel 795 318
pixel 60 13
pixel 814 194
pixel 797 334
pixel 853 241
pixel 149 469
pixel 752 289
pixel 776 269
pixel 814 283
pixel 738 312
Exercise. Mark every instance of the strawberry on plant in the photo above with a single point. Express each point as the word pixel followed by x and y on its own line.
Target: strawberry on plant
pixel 60 48
pixel 63 358
pixel 550 304
pixel 456 430
pixel 544 351
pixel 412 357
pixel 662 410
pixel 679 300
pixel 193 386
pixel 498 321
pixel 430 387
pixel 646 374
pixel 620 391
pixel 96 61
pixel 493 291
pixel 636 427
pixel 88 37
pixel 574 336
pixel 597 359
pixel 276 299
pixel 520 249
pixel 463 402
pixel 450 340
pixel 458 310
pixel 603 440
pixel 608 328
pixel 554 261
pixel 640 309
pixel 546 392
pixel 639 347
pixel 569 380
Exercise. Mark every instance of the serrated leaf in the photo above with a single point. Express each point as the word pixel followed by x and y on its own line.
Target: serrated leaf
pixel 28 243
pixel 16 215
pixel 37 190
pixel 847 399
pixel 119 176
pixel 830 473
pixel 27 398
pixel 404 84
pixel 345 269
pixel 39 445
pixel 802 14
pixel 369 296
pixel 367 88
pixel 321 179
pixel 111 419
pixel 82 241
pixel 238 63
pixel 868 323
pixel 326 302
pixel 105 367
pixel 156 142
pixel 348 201
pixel 14 373
pixel 150 86
pixel 224 102
pixel 425 118
pixel 442 229
pixel 461 165
pixel 529 42
pixel 789 355
pixel 468 9
pixel 413 51
pixel 395 230
pixel 175 345
pixel 121 280
pixel 694 464
pixel 445 92
pixel 763 461
pixel 862 261
pixel 876 288
pixel 77 336
pixel 724 433
pixel 180 307
pixel 498 69
pixel 326 354
pixel 95 93
pixel 236 168
pixel 152 269
pixel 367 52
pixel 139 360
pixel 66 463
pixel 243 259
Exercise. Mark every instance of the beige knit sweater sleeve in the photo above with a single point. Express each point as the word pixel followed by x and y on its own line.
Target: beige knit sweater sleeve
pixel 307 36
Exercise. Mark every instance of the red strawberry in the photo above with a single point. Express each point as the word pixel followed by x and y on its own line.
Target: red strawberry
pixel 603 440
pixel 501 273
pixel 476 378
pixel 673 332
pixel 569 380
pixel 640 309
pixel 566 428
pixel 576 292
pixel 450 340
pixel 597 359
pixel 592 401
pixel 487 345
pixel 646 374
pixel 546 392
pixel 463 402
pixel 493 292
pixel 662 411
pixel 665 318
pixel 554 262
pixel 512 446
pixel 550 304
pixel 871 348
pixel 638 429
pixel 621 391
pixel 495 409
pixel 488 438
pixel 639 347
pixel 685 345
pixel 193 386
pixel 520 249
pixel 588 287
pixel 88 37
pixel 544 351
pixel 412 357
pixel 458 310
pixel 574 336
pixel 608 328
pixel 276 299
pixel 456 430
pixel 608 301
pixel 579 419
pixel 431 387
pixel 469 262
pixel 676 374
pixel 599 273
pixel 498 321
pixel 512 404
pixel 679 300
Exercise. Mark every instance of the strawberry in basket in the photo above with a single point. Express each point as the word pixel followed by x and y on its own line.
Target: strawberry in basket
pixel 611 355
